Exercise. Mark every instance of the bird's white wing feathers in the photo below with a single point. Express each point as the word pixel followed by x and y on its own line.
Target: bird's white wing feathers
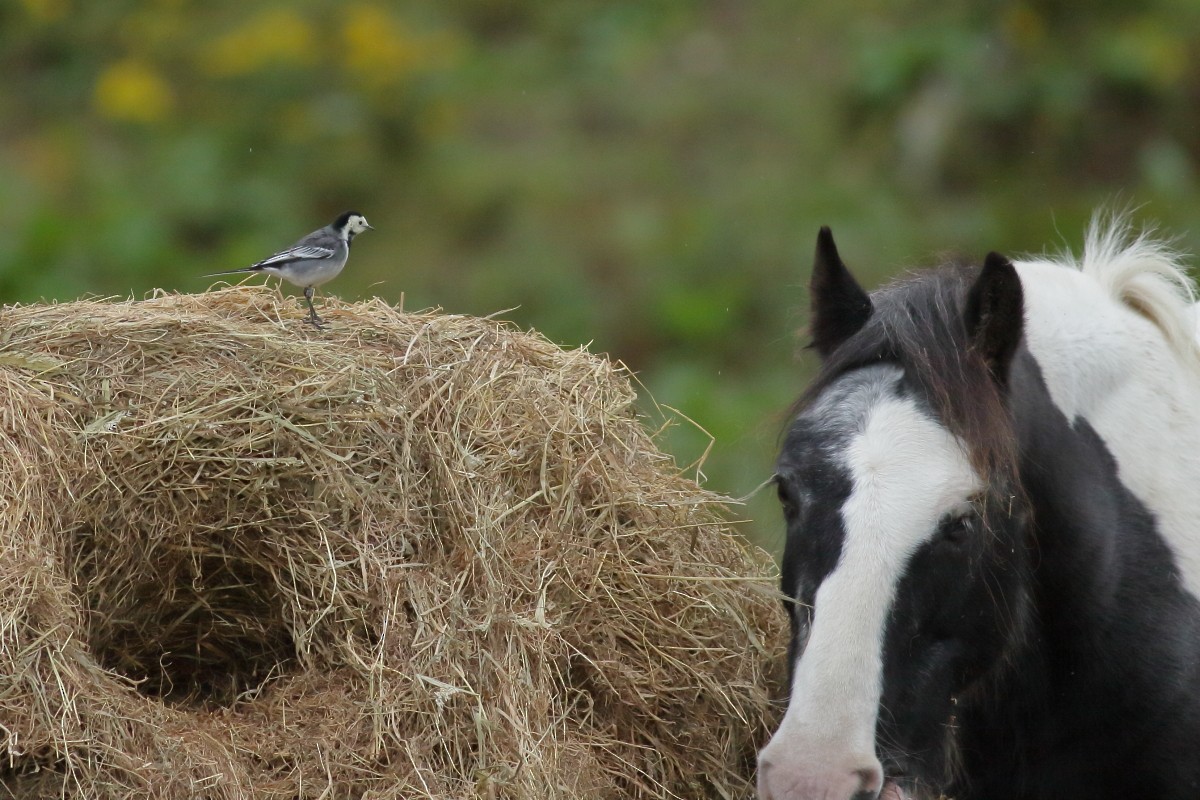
pixel 298 253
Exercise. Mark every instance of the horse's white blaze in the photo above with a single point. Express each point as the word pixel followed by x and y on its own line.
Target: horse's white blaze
pixel 1112 366
pixel 908 472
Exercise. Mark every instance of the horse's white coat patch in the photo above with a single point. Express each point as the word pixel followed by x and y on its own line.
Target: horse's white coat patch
pixel 1112 366
pixel 908 472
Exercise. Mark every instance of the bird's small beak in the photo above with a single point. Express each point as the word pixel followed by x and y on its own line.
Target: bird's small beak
pixel 370 227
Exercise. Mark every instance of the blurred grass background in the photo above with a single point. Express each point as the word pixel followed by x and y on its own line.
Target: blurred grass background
pixel 643 177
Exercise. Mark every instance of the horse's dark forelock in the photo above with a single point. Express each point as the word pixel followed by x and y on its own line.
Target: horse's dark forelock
pixel 918 325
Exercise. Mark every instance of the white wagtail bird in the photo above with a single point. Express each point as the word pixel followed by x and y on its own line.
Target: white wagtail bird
pixel 314 260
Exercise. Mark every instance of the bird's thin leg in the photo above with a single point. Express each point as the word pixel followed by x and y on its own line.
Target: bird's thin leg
pixel 312 311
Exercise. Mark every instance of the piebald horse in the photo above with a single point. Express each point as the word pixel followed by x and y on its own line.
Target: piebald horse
pixel 992 564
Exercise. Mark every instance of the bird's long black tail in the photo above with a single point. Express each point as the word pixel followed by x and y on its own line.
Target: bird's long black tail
pixel 231 272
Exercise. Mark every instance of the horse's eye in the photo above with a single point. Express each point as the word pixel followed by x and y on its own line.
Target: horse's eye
pixel 956 530
pixel 785 499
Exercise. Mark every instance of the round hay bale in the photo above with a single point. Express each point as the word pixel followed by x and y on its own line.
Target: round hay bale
pixel 414 556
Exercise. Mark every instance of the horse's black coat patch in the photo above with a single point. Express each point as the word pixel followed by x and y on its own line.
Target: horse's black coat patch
pixel 1103 697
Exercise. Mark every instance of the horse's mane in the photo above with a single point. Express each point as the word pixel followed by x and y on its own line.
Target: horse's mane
pixel 917 324
pixel 1144 273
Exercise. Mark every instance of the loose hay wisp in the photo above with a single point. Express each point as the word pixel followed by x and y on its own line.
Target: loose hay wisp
pixel 414 556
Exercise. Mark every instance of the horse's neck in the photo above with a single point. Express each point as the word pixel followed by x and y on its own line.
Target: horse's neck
pixel 1111 368
pixel 1104 623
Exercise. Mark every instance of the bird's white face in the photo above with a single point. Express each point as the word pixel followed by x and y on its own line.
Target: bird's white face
pixel 356 224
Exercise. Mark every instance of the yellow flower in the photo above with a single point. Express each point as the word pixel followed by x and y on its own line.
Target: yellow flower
pixel 46 10
pixel 378 47
pixel 1025 25
pixel 275 36
pixel 132 91
pixel 1150 50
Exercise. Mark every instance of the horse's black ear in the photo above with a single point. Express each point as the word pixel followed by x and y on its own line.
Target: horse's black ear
pixel 995 314
pixel 840 307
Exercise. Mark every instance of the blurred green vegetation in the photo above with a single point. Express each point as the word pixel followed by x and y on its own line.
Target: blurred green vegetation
pixel 643 177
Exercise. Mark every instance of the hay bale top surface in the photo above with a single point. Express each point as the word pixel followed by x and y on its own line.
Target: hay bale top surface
pixel 411 556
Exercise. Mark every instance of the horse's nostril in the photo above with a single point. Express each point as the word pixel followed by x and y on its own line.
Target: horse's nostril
pixel 870 781
pixel 789 779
